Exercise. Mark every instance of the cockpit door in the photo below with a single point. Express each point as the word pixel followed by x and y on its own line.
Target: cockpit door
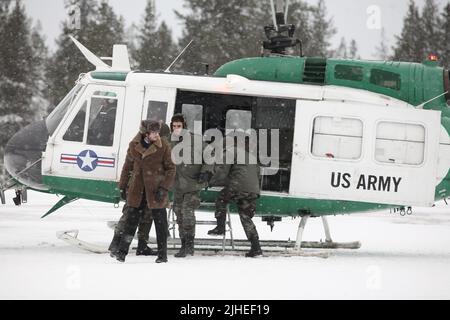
pixel 365 153
pixel 86 144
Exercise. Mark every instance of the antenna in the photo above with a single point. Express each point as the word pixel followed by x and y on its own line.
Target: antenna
pixel 420 106
pixel 181 53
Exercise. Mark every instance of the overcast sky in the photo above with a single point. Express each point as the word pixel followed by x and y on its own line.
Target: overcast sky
pixel 361 20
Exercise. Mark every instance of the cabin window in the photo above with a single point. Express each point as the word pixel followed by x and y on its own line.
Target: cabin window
pixel 238 119
pixel 345 72
pixel 400 143
pixel 385 79
pixel 102 119
pixel 157 111
pixel 75 132
pixel 337 138
pixel 192 113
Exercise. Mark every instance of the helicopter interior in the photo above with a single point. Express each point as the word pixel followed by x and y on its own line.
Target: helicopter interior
pixel 219 111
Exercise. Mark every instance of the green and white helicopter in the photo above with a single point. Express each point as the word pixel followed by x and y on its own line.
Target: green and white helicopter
pixel 357 136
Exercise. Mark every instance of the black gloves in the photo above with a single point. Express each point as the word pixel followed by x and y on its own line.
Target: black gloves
pixel 123 194
pixel 204 177
pixel 160 194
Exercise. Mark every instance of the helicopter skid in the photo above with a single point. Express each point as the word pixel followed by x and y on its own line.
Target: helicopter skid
pixel 71 237
pixel 268 244
pixel 206 247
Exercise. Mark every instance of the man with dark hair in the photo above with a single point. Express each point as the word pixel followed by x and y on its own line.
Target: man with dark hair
pixel 153 175
pixel 190 178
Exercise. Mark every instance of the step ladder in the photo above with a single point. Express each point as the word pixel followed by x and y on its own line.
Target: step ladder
pixel 172 219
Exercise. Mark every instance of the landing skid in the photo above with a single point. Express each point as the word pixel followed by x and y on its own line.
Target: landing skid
pixel 216 246
pixel 71 237
pixel 327 244
pixel 203 247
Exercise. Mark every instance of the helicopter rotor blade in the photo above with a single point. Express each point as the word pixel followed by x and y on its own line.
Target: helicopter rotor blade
pixel 274 16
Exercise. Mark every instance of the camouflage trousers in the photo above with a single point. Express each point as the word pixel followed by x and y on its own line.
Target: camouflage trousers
pixel 184 206
pixel 145 222
pixel 246 203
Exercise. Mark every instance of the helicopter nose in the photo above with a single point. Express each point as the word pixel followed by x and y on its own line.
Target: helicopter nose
pixel 23 153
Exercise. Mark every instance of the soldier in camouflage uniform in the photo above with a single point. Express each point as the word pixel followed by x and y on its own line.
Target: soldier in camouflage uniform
pixel 146 218
pixel 189 180
pixel 242 186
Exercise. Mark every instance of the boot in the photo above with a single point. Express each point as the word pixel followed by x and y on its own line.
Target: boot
pixel 114 246
pixel 189 245
pixel 182 252
pixel 127 236
pixel 161 259
pixel 220 229
pixel 160 220
pixel 255 250
pixel 119 255
pixel 144 250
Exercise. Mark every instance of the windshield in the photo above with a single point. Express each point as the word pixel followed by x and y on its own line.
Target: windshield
pixel 54 119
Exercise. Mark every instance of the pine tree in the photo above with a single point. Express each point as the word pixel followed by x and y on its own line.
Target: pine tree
pixel 353 50
pixel 411 44
pixel 321 31
pixel 155 48
pixel 431 22
pixel 341 51
pixel 100 29
pixel 229 30
pixel 382 50
pixel 20 71
pixel 39 61
pixel 15 91
pixel 4 12
pixel 131 39
pixel 105 30
pixel 445 36
pixel 221 30
pixel 67 62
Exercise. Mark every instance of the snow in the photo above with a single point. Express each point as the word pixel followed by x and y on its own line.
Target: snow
pixel 400 258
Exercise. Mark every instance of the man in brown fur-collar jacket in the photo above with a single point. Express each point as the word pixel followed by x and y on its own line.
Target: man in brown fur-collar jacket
pixel 153 175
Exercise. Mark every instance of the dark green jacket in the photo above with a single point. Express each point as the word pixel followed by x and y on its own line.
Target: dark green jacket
pixel 186 178
pixel 237 177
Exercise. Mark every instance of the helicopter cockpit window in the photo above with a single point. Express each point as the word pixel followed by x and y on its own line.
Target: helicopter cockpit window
pixel 157 111
pixel 385 79
pixel 345 72
pixel 105 94
pixel 54 119
pixel 75 132
pixel 337 138
pixel 193 113
pixel 102 119
pixel 400 143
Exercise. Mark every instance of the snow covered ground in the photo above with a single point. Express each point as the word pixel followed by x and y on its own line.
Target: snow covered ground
pixel 400 258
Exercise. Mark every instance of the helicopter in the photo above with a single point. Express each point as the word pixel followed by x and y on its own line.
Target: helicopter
pixel 356 136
